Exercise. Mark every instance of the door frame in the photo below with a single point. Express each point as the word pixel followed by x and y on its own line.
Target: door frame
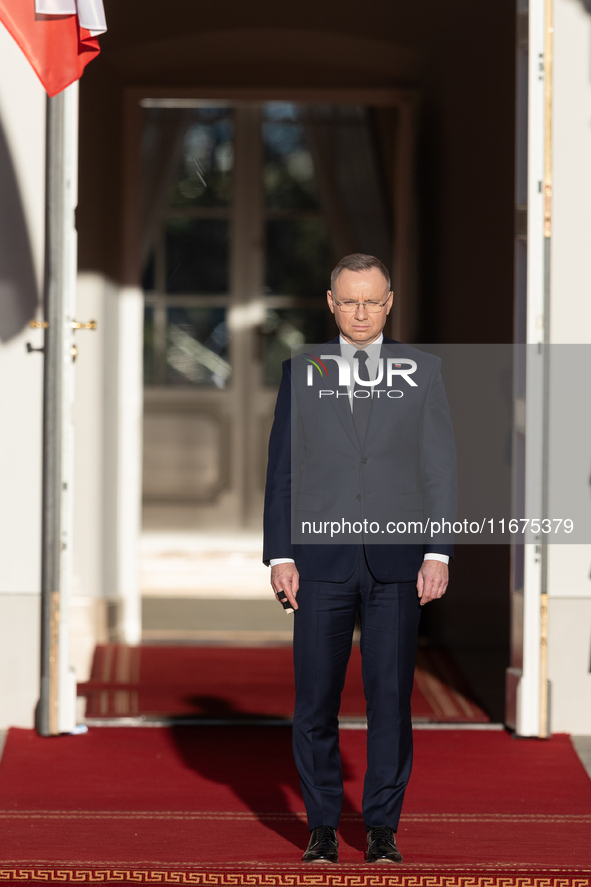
pixel 527 696
pixel 404 316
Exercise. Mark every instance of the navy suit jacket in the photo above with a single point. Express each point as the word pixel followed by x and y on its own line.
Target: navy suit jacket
pixel 317 465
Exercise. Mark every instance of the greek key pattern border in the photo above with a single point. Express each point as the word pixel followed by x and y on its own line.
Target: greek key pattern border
pixel 125 875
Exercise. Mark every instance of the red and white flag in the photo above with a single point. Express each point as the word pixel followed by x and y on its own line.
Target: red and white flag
pixel 58 37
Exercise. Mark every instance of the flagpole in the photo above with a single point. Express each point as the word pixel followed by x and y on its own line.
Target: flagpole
pixel 56 711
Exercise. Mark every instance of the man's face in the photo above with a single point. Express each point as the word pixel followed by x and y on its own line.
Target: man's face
pixel 360 326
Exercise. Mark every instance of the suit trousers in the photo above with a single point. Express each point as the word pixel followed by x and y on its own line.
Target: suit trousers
pixel 323 631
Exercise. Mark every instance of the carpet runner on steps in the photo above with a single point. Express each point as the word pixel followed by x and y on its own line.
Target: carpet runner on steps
pixel 221 806
pixel 250 682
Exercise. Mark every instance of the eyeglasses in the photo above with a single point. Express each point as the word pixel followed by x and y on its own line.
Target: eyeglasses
pixel 370 306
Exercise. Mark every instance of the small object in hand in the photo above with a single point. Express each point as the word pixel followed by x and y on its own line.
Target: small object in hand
pixel 286 605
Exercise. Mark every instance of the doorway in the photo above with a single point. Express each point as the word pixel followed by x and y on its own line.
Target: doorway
pixel 246 207
pixel 241 204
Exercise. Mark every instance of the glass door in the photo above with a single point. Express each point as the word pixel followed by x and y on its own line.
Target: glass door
pixel 247 207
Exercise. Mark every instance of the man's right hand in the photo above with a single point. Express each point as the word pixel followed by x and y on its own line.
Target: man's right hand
pixel 285 581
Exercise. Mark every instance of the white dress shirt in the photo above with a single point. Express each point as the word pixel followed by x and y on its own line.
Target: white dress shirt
pixel 373 356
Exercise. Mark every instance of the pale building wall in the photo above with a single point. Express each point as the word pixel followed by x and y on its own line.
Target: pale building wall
pixel 124 398
pixel 88 616
pixel 107 421
pixel 568 660
pixel 107 468
pixel 22 208
pixel 19 658
pixel 569 582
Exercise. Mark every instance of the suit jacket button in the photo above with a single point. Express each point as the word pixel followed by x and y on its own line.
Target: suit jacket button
pixel 358 497
pixel 364 461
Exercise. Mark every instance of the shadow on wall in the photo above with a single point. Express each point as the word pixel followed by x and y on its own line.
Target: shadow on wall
pixel 18 287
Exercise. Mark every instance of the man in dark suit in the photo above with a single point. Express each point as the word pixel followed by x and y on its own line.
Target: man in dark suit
pixel 349 455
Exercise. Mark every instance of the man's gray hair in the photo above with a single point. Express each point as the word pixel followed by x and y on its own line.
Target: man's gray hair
pixel 358 262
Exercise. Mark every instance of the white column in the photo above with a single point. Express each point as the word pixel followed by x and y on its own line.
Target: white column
pixel 527 713
pixel 129 461
pixel 569 575
pixel 123 407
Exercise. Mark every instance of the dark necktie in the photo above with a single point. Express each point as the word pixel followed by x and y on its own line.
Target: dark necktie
pixel 361 404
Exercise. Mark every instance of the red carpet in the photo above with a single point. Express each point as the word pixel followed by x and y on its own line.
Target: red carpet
pixel 230 682
pixel 221 806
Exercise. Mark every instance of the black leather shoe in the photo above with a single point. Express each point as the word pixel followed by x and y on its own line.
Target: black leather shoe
pixel 381 845
pixel 323 845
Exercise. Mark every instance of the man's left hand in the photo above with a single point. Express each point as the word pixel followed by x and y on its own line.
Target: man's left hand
pixel 432 581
